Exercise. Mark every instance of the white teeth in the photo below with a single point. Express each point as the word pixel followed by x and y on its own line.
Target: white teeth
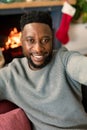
pixel 38 56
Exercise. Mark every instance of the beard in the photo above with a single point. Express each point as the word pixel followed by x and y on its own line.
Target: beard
pixel 35 66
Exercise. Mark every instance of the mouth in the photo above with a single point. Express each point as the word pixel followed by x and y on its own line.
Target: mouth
pixel 38 61
pixel 37 58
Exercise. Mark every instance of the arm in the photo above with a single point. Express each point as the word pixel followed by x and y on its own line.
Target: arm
pixel 76 68
pixel 4 76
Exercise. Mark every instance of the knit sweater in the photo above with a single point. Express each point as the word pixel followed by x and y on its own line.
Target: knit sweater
pixel 51 97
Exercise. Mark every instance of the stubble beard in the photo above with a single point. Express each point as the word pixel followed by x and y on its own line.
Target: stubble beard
pixel 35 66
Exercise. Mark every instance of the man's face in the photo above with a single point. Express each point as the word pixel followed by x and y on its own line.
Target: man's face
pixel 37 44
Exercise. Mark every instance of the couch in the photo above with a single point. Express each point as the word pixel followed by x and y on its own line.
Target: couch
pixel 12 117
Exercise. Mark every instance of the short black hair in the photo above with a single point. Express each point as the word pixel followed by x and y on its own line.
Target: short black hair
pixel 37 17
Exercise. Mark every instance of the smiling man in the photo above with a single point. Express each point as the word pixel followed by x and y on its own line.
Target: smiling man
pixel 46 84
pixel 37 44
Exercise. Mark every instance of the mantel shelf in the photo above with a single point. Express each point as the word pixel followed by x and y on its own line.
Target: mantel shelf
pixel 33 4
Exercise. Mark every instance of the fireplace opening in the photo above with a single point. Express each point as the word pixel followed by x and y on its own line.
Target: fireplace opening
pixel 10 37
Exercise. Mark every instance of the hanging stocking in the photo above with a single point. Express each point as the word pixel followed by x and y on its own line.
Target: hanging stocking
pixel 67 13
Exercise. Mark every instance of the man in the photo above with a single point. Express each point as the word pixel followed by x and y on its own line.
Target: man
pixel 46 84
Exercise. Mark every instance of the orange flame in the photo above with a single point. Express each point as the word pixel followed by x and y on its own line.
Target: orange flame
pixel 13 39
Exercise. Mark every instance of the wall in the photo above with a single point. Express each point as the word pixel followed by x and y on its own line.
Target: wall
pixel 78 38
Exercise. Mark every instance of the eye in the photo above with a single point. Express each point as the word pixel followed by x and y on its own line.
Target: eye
pixel 30 40
pixel 45 40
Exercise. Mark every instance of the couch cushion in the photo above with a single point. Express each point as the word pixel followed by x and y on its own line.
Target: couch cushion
pixel 14 120
pixel 6 106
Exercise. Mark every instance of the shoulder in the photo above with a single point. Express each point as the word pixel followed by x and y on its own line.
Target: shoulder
pixel 16 65
pixel 66 55
pixel 17 61
pixel 60 51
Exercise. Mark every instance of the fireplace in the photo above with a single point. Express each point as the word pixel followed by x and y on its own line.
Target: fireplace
pixel 10 30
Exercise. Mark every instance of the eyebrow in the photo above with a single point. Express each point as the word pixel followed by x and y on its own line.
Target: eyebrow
pixel 46 36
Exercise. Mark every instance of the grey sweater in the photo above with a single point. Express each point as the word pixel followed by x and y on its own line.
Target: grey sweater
pixel 51 97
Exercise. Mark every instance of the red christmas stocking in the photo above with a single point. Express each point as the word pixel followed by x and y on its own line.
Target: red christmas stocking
pixel 67 13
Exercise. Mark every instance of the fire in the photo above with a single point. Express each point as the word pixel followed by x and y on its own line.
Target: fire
pixel 13 39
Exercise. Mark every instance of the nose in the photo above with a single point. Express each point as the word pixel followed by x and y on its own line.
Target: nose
pixel 38 47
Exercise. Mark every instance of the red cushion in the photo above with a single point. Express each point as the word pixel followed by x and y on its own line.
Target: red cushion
pixel 6 106
pixel 14 120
